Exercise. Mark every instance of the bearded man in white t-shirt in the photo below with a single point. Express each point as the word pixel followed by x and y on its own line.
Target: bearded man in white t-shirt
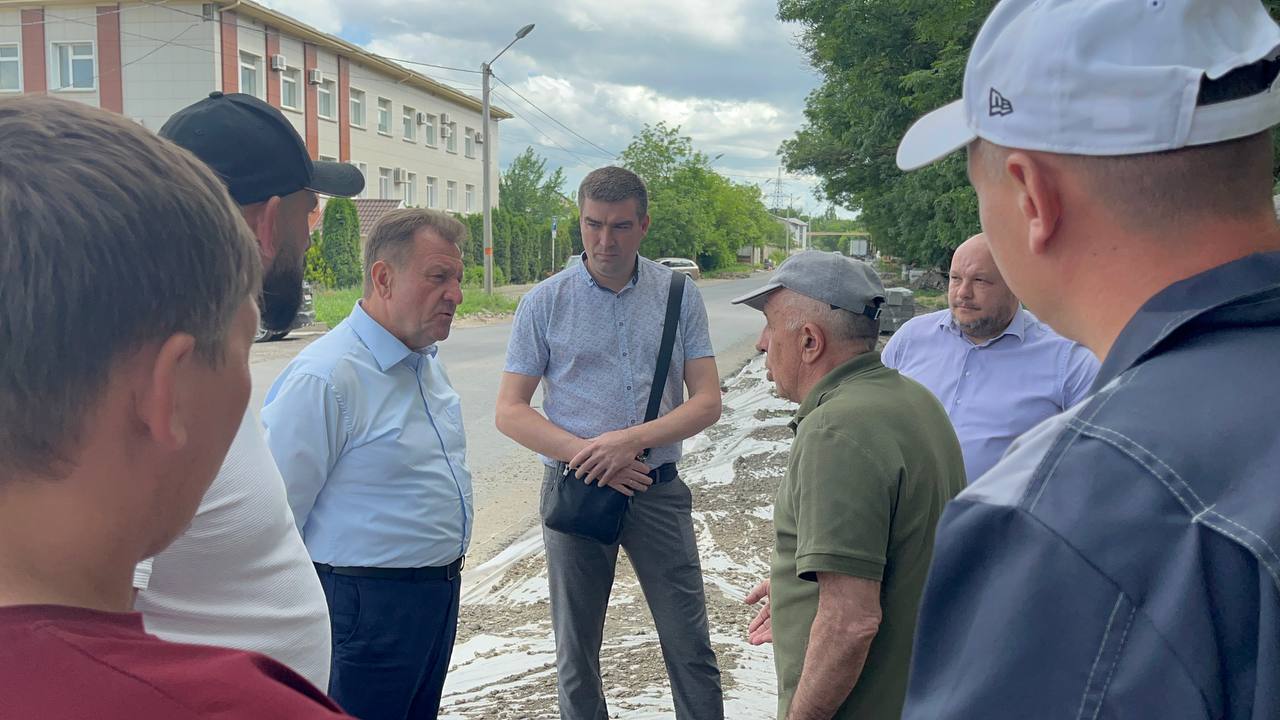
pixel 240 576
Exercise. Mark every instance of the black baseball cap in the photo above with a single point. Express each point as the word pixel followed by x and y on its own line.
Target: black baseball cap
pixel 256 149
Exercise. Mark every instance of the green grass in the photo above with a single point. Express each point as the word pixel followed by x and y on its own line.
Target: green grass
pixel 931 299
pixel 730 271
pixel 332 306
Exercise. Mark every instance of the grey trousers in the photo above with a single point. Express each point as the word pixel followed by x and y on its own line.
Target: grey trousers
pixel 658 537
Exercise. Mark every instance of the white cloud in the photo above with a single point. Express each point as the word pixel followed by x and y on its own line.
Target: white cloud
pixel 726 71
pixel 324 15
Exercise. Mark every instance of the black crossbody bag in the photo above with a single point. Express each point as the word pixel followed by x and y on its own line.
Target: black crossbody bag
pixel 594 512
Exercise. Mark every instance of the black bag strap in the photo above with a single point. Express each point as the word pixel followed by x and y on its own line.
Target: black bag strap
pixel 675 297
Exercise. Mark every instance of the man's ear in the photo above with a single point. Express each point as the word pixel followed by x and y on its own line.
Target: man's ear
pixel 813 342
pixel 262 219
pixel 644 225
pixel 382 276
pixel 1038 197
pixel 160 404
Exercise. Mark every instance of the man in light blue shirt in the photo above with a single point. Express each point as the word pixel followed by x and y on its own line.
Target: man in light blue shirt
pixel 367 431
pixel 996 369
pixel 590 336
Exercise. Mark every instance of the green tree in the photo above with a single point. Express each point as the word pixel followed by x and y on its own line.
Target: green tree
pixel 340 246
pixel 694 212
pixel 317 271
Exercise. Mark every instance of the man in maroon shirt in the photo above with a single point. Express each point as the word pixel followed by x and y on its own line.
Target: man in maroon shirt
pixel 127 285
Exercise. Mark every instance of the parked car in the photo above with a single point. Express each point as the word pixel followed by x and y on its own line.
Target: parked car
pixel 684 265
pixel 306 316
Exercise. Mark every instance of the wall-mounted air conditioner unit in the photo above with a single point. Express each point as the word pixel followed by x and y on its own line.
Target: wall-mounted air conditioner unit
pixel 445 131
pixel 444 118
pixel 314 76
pixel 479 138
pixel 397 177
pixel 422 118
pixel 278 63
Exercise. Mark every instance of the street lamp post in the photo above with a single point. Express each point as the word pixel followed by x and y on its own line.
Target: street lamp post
pixel 486 71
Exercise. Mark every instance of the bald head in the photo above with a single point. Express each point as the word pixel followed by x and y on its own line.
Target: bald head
pixel 982 305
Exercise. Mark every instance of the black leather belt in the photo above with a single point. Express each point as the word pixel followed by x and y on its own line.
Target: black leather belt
pixel 442 572
pixel 664 473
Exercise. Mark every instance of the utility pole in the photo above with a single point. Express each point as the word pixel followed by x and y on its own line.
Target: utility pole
pixel 486 72
pixel 487 201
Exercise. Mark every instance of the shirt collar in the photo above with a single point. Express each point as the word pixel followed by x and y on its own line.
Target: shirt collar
pixel 1017 326
pixel 845 372
pixel 1203 296
pixel 386 348
pixel 590 280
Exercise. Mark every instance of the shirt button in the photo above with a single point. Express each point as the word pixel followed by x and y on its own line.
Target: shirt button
pixel 628 387
pixel 619 324
pixel 624 353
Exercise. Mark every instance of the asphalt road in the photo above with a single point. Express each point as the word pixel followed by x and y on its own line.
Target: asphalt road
pixel 474 358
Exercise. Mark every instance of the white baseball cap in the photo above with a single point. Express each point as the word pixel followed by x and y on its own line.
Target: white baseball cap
pixel 1104 77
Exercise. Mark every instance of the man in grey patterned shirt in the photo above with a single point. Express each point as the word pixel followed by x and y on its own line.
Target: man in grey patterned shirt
pixel 590 335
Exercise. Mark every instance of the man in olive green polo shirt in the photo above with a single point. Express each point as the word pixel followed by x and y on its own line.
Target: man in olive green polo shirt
pixel 874 461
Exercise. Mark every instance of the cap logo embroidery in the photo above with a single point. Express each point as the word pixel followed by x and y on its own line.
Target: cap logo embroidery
pixel 998 105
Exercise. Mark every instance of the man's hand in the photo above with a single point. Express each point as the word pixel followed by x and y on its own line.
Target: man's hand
pixel 629 481
pixel 607 456
pixel 760 631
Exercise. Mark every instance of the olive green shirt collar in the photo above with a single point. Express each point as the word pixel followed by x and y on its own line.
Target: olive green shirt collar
pixel 841 374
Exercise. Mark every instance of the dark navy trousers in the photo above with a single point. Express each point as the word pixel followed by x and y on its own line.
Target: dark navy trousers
pixel 392 640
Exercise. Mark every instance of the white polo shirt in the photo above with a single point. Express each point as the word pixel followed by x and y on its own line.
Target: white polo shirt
pixel 240 577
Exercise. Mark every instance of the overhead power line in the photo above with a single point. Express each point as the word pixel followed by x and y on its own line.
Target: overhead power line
pixel 575 133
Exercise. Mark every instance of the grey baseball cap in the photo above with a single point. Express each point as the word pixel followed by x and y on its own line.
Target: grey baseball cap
pixel 827 277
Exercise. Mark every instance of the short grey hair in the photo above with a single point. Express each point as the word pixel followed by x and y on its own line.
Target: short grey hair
pixel 392 237
pixel 110 238
pixel 614 184
pixel 855 329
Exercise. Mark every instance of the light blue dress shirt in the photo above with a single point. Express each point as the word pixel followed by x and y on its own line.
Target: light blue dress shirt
pixel 596 350
pixel 996 390
pixel 368 436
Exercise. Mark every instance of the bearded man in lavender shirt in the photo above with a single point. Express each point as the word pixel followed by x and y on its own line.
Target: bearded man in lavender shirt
pixel 996 369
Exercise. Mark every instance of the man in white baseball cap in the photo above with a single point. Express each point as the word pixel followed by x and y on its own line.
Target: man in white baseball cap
pixel 1121 559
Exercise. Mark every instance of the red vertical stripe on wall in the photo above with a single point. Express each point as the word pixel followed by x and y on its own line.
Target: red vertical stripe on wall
pixel 273 77
pixel 344 110
pixel 310 63
pixel 35 78
pixel 230 53
pixel 110 71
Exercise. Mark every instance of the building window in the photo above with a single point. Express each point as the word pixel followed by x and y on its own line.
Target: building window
pixel 432 201
pixel 289 83
pixel 10 68
pixel 470 199
pixel 384 116
pixel 469 144
pixel 384 183
pixel 74 66
pixel 364 173
pixel 429 131
pixel 410 189
pixel 410 124
pixel 451 196
pixel 451 138
pixel 357 108
pixel 324 101
pixel 250 71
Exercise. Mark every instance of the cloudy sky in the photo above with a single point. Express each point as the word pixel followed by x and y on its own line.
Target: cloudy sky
pixel 726 71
